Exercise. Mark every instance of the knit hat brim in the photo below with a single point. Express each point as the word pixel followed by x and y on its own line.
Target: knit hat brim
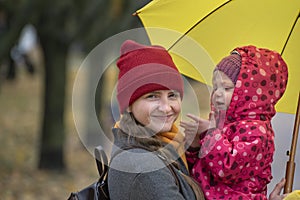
pixel 144 69
pixel 230 66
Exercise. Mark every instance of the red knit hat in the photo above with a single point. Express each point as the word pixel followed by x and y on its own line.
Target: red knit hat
pixel 230 66
pixel 144 69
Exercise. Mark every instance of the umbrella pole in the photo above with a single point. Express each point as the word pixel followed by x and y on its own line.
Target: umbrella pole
pixel 290 166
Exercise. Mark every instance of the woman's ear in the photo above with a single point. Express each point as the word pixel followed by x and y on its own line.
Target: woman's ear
pixel 128 109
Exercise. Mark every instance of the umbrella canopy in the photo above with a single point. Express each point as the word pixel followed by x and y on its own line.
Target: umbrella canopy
pixel 221 25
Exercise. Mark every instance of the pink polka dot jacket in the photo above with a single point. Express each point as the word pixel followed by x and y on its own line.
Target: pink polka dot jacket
pixel 234 161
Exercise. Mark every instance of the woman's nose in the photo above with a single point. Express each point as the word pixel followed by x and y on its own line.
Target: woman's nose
pixel 165 105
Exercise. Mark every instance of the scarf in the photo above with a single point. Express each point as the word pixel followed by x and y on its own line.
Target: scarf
pixel 173 137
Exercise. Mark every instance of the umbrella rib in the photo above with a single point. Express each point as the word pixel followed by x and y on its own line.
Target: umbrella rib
pixel 287 40
pixel 198 23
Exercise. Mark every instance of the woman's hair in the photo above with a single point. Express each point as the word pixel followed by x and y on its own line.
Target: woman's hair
pixel 194 185
pixel 140 134
pixel 144 136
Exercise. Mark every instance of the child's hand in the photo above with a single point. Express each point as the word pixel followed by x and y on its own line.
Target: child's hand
pixel 194 128
pixel 212 120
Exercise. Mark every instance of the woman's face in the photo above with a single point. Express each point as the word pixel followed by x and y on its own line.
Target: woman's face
pixel 223 89
pixel 157 110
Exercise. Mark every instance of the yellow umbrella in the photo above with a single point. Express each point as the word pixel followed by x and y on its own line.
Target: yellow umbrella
pixel 221 25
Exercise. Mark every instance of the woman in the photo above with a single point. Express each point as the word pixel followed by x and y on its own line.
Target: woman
pixel 149 93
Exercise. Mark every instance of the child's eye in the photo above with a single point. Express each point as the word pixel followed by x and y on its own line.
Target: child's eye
pixel 228 88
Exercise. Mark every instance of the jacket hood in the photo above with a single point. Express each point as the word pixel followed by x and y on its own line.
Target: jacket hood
pixel 260 84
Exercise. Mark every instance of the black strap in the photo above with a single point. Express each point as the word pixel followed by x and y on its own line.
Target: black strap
pixel 101 161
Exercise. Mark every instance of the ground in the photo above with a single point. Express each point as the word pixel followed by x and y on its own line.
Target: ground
pixel 20 125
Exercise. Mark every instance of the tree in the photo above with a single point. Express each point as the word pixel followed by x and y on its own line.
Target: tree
pixel 59 24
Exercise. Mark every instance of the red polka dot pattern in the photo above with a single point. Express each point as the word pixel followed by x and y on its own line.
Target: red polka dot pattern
pixel 234 161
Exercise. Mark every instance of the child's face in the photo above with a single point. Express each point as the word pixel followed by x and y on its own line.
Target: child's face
pixel 223 89
pixel 157 110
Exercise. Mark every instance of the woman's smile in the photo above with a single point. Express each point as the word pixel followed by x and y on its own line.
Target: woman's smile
pixel 157 110
pixel 163 117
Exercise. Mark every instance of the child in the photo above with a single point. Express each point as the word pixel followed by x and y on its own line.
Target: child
pixel 237 144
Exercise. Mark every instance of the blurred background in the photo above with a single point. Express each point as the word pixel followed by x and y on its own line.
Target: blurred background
pixel 42 45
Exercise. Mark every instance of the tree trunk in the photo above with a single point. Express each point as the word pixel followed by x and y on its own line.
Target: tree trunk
pixel 53 131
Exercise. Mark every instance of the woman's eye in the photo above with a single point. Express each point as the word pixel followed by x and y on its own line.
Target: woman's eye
pixel 174 95
pixel 151 96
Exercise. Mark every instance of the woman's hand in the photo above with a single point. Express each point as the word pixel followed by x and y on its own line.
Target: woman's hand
pixel 275 194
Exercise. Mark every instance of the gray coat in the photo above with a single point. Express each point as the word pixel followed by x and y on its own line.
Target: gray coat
pixel 140 174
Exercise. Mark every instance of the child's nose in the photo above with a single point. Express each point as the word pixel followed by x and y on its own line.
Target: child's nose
pixel 219 92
